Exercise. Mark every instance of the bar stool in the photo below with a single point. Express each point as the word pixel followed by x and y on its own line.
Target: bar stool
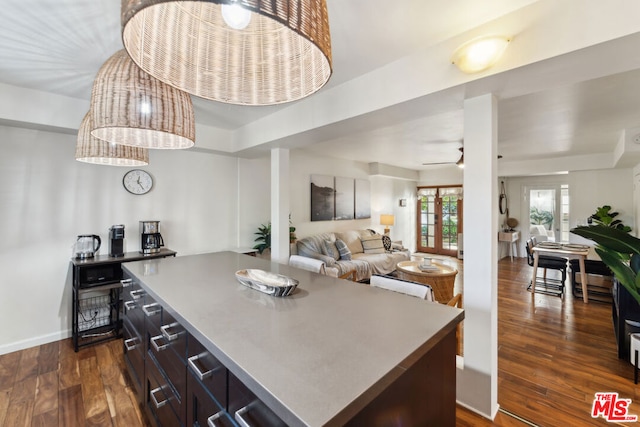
pixel 633 356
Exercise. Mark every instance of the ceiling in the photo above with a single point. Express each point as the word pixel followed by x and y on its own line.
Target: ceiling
pixel 566 103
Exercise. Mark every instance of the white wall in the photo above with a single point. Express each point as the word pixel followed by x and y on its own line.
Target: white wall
pixel 385 195
pixel 48 198
pixel 587 191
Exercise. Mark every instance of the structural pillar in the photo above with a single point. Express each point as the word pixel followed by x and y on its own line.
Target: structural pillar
pixel 477 382
pixel 280 205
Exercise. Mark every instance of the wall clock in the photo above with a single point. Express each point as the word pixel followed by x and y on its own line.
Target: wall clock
pixel 137 181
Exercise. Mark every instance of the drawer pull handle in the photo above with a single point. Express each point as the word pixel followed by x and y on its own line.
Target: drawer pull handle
pixel 149 309
pixel 155 401
pixel 126 282
pixel 211 421
pixel 137 294
pixel 192 362
pixel 130 344
pixel 168 335
pixel 159 348
pixel 239 413
pixel 129 305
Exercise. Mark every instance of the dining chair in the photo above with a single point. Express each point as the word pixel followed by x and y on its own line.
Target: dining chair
pixel 549 285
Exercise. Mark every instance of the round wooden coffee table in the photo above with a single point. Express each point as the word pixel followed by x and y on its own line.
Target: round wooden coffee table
pixel 441 279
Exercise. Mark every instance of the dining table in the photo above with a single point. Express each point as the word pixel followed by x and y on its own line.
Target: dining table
pixel 565 250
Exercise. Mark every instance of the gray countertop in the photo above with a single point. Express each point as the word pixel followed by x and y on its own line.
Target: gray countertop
pixel 316 357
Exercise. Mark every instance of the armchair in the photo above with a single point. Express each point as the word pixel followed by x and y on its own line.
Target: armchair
pixel 541 234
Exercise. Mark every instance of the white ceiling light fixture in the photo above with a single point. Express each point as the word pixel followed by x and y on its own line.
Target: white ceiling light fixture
pixel 282 55
pixel 480 53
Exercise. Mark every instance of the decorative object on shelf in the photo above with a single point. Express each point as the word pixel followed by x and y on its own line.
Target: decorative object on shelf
pixel 137 181
pixel 480 53
pixel 264 238
pixel 619 250
pixel 283 54
pixel 90 149
pixel 130 107
pixel 503 204
pixel 604 216
pixel 267 282
pixel 387 220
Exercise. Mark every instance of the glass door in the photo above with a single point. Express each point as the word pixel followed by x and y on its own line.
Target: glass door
pixel 439 220
pixel 548 208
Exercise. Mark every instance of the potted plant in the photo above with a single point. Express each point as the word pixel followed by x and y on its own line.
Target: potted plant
pixel 264 238
pixel 619 250
pixel 604 216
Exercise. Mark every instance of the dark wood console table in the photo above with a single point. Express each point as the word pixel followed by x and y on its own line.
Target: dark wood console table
pixel 95 315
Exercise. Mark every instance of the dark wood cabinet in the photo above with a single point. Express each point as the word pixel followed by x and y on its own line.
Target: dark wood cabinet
pixel 97 296
pixel 626 318
pixel 177 380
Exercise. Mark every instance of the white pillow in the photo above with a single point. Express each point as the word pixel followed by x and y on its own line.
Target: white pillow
pixel 373 244
pixel 352 239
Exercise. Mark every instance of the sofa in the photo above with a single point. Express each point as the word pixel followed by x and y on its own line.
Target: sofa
pixel 541 233
pixel 362 251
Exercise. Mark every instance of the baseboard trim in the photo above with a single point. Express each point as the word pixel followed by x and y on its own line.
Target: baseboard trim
pixel 32 342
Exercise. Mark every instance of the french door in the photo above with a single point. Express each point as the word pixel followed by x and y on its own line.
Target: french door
pixel 439 220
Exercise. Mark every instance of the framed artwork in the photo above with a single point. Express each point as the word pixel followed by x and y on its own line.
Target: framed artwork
pixel 345 198
pixel 363 199
pixel 322 198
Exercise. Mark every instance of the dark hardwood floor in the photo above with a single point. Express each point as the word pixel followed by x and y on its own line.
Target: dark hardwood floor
pixel 554 354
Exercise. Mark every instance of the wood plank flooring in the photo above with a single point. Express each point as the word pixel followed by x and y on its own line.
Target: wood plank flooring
pixel 554 354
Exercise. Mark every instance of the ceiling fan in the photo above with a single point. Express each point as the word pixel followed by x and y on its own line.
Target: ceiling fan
pixel 459 162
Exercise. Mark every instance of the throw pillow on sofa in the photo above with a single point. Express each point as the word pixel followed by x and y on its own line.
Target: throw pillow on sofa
pixel 352 239
pixel 342 247
pixel 372 244
pixel 331 249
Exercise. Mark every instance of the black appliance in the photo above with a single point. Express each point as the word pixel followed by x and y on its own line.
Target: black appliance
pixel 116 241
pixel 150 237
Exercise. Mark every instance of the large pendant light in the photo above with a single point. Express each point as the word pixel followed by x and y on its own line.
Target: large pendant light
pixel 130 107
pixel 90 149
pixel 249 52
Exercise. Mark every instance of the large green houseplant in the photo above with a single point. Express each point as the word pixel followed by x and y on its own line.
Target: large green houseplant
pixel 619 250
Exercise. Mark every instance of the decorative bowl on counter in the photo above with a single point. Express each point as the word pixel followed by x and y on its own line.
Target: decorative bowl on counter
pixel 267 282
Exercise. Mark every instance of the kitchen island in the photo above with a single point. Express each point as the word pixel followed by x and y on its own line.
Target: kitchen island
pixel 333 353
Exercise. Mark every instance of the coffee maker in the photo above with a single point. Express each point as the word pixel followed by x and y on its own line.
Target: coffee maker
pixel 116 240
pixel 150 237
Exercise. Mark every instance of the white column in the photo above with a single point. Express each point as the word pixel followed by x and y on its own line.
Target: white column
pixel 280 205
pixel 477 383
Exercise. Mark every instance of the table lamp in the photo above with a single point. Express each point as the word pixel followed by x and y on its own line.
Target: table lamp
pixel 386 220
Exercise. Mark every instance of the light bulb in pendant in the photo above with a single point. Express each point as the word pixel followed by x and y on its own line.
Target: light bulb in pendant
pixel 236 16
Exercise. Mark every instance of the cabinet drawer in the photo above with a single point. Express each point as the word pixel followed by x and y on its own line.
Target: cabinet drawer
pixel 170 365
pixel 247 409
pixel 175 333
pixel 202 408
pixel 134 356
pixel 159 396
pixel 208 369
pixel 133 299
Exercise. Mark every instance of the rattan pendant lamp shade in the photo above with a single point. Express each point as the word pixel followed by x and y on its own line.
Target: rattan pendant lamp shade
pixel 130 107
pixel 90 149
pixel 284 54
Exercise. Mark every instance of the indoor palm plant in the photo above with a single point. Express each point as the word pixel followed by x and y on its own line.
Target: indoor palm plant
pixel 619 250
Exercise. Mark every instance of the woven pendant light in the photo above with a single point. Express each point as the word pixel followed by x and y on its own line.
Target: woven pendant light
pixel 130 107
pixel 90 149
pixel 282 55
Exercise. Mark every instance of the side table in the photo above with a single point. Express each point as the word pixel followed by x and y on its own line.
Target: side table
pixel 441 279
pixel 511 238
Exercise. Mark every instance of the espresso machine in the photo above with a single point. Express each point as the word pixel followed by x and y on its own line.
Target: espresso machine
pixel 150 237
pixel 116 240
